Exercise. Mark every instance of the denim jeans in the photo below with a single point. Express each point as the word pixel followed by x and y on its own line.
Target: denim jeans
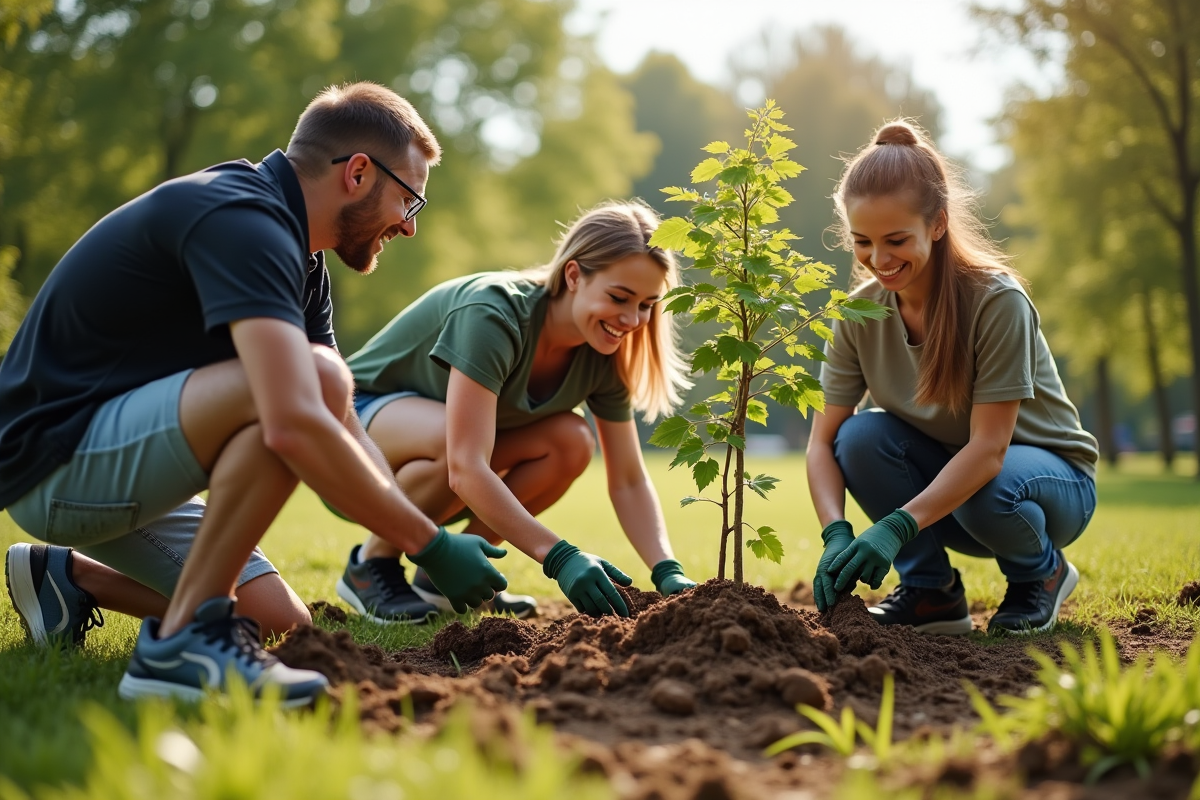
pixel 1038 503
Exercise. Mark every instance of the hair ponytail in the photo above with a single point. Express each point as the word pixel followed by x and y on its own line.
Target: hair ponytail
pixel 901 160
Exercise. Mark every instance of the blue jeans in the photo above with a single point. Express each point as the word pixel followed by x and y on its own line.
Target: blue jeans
pixel 1038 503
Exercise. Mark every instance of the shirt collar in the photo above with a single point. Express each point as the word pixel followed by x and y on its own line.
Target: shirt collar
pixel 293 195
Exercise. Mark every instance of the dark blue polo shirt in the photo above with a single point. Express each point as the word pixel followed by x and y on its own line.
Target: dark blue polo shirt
pixel 150 291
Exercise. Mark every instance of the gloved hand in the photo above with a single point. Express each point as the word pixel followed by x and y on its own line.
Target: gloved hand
pixel 458 566
pixel 586 580
pixel 869 557
pixel 669 579
pixel 837 536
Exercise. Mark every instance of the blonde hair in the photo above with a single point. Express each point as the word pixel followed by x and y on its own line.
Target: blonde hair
pixel 648 359
pixel 900 159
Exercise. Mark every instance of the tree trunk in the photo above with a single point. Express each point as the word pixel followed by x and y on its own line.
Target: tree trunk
pixel 1162 403
pixel 1191 292
pixel 724 513
pixel 1104 411
pixel 739 491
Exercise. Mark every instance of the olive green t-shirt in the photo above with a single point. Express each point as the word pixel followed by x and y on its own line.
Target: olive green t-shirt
pixel 486 326
pixel 1010 361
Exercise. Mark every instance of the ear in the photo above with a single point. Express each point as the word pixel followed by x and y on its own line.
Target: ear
pixel 572 275
pixel 354 174
pixel 940 224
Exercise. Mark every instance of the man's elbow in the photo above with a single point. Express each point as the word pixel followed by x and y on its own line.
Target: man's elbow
pixel 290 435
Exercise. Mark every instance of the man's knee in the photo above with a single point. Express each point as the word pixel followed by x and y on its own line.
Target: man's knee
pixel 573 442
pixel 337 383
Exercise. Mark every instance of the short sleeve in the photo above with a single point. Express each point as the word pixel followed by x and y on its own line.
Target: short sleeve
pixel 841 375
pixel 481 342
pixel 1006 334
pixel 318 305
pixel 610 400
pixel 246 263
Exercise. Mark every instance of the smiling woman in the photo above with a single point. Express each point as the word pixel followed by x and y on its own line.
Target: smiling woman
pixel 472 392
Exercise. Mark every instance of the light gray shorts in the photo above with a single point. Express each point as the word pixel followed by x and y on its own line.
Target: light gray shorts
pixel 127 497
pixel 367 405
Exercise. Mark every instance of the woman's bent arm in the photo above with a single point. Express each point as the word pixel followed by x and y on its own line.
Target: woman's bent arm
pixel 470 439
pixel 631 491
pixel 826 484
pixel 982 458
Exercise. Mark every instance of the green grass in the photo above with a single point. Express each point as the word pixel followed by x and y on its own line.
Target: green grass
pixel 1141 546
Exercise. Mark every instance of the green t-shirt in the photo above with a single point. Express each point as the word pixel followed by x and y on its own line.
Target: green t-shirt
pixel 1011 361
pixel 486 326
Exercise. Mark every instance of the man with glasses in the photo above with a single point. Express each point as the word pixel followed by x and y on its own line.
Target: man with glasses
pixel 186 343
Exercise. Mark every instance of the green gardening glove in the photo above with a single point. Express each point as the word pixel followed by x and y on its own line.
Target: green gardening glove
pixel 458 566
pixel 669 579
pixel 837 536
pixel 586 580
pixel 869 557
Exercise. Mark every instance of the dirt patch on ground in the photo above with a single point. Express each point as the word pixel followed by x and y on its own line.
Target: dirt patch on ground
pixel 1189 595
pixel 677 702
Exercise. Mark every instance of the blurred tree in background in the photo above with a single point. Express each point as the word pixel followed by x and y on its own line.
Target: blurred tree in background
pixel 129 93
pixel 1111 174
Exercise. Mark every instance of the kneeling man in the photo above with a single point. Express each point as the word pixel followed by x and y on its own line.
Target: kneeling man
pixel 186 343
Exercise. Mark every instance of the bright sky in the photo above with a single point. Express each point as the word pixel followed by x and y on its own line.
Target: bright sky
pixel 934 37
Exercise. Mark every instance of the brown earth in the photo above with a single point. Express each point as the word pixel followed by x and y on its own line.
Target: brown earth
pixel 678 701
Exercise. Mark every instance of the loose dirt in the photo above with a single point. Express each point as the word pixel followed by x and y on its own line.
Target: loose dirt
pixel 679 700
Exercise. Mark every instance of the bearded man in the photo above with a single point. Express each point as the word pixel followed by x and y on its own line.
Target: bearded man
pixel 186 343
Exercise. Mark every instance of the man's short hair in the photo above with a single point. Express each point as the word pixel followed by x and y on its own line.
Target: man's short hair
pixel 359 117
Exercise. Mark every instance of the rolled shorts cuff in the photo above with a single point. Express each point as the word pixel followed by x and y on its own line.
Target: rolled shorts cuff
pixel 367 405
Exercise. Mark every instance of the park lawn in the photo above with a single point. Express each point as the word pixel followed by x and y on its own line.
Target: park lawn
pixel 1141 546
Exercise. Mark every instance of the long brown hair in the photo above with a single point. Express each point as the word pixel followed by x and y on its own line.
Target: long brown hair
pixel 900 160
pixel 648 359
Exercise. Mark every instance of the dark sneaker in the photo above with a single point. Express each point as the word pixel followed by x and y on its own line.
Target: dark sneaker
pixel 1032 606
pixel 520 606
pixel 377 589
pixel 202 655
pixel 50 605
pixel 942 611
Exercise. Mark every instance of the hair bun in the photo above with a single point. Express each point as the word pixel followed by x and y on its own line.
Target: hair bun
pixel 896 133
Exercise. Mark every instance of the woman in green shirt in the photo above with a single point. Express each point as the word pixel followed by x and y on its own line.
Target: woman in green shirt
pixel 471 393
pixel 973 445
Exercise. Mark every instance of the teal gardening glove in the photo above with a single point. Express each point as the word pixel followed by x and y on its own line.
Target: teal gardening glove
pixel 586 580
pixel 869 557
pixel 669 579
pixel 458 566
pixel 837 536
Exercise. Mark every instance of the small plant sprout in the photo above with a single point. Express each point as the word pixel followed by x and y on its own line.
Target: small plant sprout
pixel 840 736
pixel 751 283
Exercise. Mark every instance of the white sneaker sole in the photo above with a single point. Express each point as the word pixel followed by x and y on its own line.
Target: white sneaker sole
pixel 436 599
pixel 132 688
pixel 19 578
pixel 346 593
pixel 1069 583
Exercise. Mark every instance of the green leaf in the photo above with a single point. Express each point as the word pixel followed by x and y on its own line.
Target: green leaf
pixel 672 234
pixel 706 170
pixel 761 484
pixel 705 472
pixel 719 431
pixel 681 304
pixel 860 309
pixel 691 451
pixel 767 545
pixel 707 315
pixel 700 409
pixel 757 265
pixel 756 411
pixel 779 144
pixel 671 432
pixel 787 168
pixel 822 330
pixel 687 501
pixel 736 175
pixel 727 347
pixel 705 359
pixel 737 441
pixel 716 147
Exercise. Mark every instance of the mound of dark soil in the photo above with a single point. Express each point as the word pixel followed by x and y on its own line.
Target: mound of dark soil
pixel 1189 595
pixel 721 664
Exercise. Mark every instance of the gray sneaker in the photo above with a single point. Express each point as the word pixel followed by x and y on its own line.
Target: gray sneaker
pixel 201 656
pixel 51 607
pixel 506 603
pixel 377 589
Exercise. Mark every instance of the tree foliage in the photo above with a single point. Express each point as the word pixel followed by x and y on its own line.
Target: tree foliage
pixel 746 277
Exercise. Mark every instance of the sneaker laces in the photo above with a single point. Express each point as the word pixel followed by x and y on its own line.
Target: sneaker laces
pixel 240 634
pixel 389 575
pixel 92 617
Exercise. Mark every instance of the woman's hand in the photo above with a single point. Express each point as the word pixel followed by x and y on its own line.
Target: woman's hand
pixel 869 557
pixel 669 579
pixel 586 580
pixel 837 536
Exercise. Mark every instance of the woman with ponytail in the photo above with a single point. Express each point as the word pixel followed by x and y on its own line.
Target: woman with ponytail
pixel 471 395
pixel 972 444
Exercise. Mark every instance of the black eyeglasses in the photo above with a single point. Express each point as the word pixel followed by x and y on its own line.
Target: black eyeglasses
pixel 415 204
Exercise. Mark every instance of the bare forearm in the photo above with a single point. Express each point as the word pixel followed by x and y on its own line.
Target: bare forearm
pixel 496 506
pixel 826 484
pixel 327 458
pixel 641 518
pixel 354 426
pixel 963 476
